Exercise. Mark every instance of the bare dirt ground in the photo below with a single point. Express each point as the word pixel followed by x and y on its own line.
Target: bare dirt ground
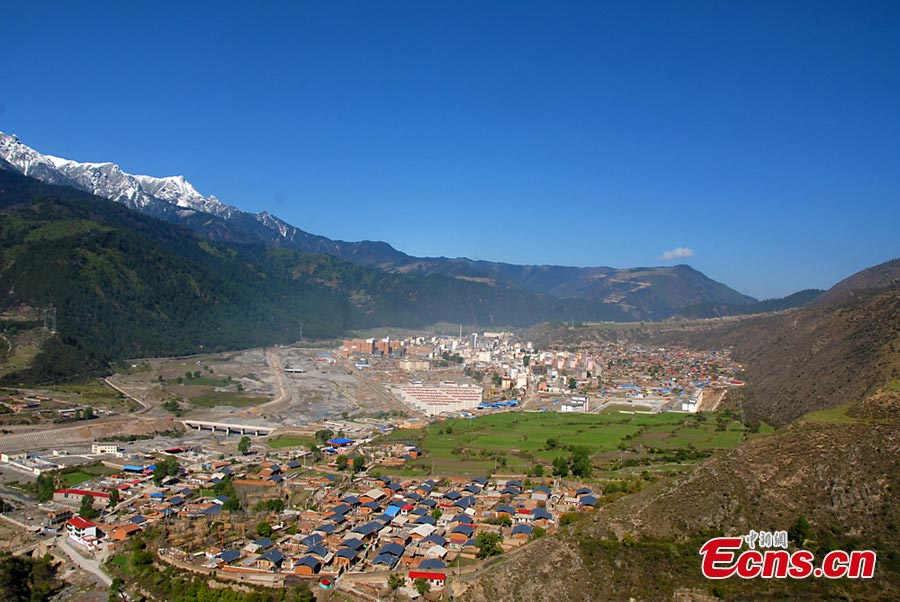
pixel 280 386
pixel 277 387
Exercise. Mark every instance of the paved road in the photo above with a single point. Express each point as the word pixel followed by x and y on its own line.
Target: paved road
pixel 12 494
pixel 88 564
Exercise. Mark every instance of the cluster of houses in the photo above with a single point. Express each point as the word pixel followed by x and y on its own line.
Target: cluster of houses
pixel 365 525
pixel 419 527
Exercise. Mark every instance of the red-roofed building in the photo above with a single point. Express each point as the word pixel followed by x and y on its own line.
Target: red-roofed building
pixel 74 496
pixel 435 580
pixel 82 531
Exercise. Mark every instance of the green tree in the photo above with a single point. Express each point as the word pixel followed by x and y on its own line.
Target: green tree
pixel 395 580
pixel 359 464
pixel 324 435
pixel 113 498
pixel 87 510
pixel 44 487
pixel 537 470
pixel 270 505
pixel 115 590
pixel 488 544
pixel 244 444
pixel 504 521
pixel 25 579
pixel 538 532
pixel 263 529
pixel 342 462
pixel 581 462
pixel 422 586
pixel 560 467
pixel 165 467
pixel 799 531
pixel 188 375
pixel 88 413
pixel 436 513
pixel 573 384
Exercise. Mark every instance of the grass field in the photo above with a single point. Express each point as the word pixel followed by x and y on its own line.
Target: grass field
pixel 85 473
pixel 93 393
pixel 516 441
pixel 227 398
pixel 291 441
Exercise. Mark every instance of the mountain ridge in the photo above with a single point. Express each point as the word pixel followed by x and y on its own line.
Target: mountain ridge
pixel 644 292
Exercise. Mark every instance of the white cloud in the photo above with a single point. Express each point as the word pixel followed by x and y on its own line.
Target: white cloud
pixel 676 253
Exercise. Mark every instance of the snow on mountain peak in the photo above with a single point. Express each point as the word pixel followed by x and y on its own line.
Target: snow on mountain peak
pixel 159 197
pixel 144 193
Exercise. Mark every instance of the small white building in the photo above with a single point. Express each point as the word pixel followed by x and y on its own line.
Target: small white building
pixel 104 448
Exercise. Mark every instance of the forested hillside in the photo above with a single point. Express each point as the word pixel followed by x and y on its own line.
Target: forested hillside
pixel 125 285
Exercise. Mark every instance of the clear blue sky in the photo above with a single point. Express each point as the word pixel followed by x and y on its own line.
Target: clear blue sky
pixel 764 137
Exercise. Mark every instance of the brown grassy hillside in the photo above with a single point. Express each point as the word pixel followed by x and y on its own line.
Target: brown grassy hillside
pixel 836 364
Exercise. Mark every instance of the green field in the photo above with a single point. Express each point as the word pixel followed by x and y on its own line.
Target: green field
pixel 227 398
pixel 516 441
pixel 291 441
pixel 74 477
pixel 93 393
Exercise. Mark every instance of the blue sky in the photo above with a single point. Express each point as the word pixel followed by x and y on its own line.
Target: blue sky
pixel 764 137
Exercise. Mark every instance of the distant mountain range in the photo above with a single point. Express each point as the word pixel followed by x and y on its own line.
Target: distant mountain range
pixel 636 293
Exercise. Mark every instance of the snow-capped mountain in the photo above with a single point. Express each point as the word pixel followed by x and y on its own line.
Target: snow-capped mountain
pixel 155 196
pixel 173 199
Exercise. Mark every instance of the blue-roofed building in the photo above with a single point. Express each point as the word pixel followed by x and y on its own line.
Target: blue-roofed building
pixel 311 540
pixel 386 560
pixel 325 529
pixel 352 542
pixel 340 442
pixel 587 501
pixel 540 514
pixel 270 559
pixel 505 509
pixel 228 556
pixel 425 520
pixel 465 502
pixel 395 549
pixel 308 565
pixel 432 563
pixel 264 543
pixel 435 539
pixel 317 550
pixel 522 530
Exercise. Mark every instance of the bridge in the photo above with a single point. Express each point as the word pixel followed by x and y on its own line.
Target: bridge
pixel 228 428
